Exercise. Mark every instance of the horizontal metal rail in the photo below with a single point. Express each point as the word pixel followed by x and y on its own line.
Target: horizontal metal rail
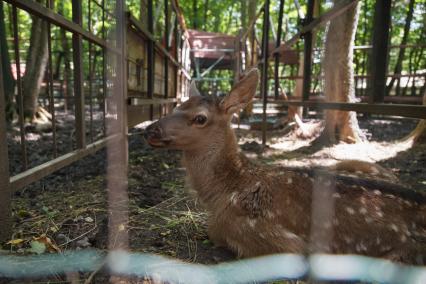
pixel 414 111
pixel 34 174
pixel 36 9
pixel 143 102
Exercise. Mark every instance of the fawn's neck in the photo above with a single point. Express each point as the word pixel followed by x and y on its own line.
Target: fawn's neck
pixel 209 169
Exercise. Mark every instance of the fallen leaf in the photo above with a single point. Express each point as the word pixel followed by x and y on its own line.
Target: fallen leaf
pixel 15 242
pixel 47 242
pixel 37 247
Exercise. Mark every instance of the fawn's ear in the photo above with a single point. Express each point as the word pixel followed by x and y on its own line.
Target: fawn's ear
pixel 242 92
pixel 193 91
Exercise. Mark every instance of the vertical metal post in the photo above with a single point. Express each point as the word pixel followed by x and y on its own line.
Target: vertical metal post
pixel 51 97
pixel 90 72
pixel 176 43
pixel 166 39
pixel 117 149
pixel 19 85
pixel 78 77
pixel 307 66
pixel 104 71
pixel 379 53
pixel 237 55
pixel 5 190
pixel 277 44
pixel 151 58
pixel 264 77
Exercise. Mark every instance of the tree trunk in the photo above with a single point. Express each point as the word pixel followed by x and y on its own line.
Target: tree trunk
pixel 35 67
pixel 194 14
pixel 339 78
pixel 398 65
pixel 243 14
pixel 206 8
pixel 8 80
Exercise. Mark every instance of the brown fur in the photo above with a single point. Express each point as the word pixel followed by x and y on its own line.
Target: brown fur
pixel 257 210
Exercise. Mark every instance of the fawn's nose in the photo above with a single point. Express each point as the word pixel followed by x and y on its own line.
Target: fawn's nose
pixel 153 132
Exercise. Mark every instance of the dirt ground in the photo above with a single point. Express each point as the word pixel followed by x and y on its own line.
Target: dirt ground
pixel 165 218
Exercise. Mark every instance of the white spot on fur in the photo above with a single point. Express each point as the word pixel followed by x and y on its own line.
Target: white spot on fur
pixel 233 198
pixel 379 213
pixel 289 180
pixel 336 195
pixel 360 247
pixel 269 214
pixel 289 235
pixel 350 210
pixel 403 238
pixel 368 220
pixel 377 192
pixel 378 241
pixel 251 222
pixel 363 210
pixel 262 236
pixel 257 184
pixel 347 240
pixel 394 227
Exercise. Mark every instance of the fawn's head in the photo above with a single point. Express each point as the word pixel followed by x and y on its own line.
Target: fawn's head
pixel 202 120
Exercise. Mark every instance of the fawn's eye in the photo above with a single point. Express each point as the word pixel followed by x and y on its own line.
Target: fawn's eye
pixel 200 119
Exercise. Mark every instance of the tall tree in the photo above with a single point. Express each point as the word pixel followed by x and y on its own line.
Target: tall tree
pixel 398 65
pixel 194 14
pixel 339 77
pixel 206 8
pixel 35 66
pixel 8 80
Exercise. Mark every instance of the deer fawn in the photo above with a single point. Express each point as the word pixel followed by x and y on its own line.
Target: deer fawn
pixel 257 209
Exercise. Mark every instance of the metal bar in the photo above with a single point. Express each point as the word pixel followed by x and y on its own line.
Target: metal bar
pixel 175 77
pixel 144 102
pixel 5 189
pixel 277 44
pixel 212 79
pixel 307 66
pixel 264 77
pixel 89 24
pixel 36 9
pixel 117 155
pixel 19 85
pixel 166 59
pixel 212 66
pixel 78 77
pixel 379 53
pixel 104 71
pixel 51 95
pixel 230 50
pixel 34 174
pixel 414 111
pixel 151 56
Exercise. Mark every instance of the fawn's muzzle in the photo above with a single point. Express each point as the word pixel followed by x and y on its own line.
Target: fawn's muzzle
pixel 154 135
